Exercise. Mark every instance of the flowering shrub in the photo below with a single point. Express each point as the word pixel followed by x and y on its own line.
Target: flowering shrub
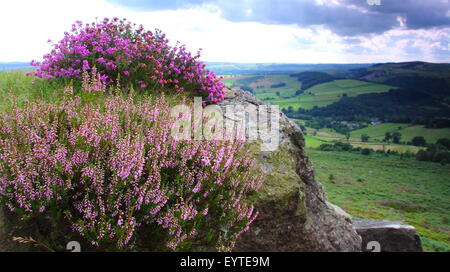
pixel 111 171
pixel 121 51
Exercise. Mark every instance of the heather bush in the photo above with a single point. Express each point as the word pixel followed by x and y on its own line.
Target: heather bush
pixel 111 173
pixel 124 52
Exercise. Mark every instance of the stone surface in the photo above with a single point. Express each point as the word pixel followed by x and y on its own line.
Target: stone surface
pixel 391 236
pixel 294 212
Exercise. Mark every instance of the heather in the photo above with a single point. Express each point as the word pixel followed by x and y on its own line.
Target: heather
pixel 104 170
pixel 130 55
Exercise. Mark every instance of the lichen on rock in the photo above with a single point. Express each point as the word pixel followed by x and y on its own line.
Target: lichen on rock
pixel 294 213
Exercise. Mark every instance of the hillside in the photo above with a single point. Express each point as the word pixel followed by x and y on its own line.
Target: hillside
pixel 311 79
pixel 9 66
pixel 406 104
pixel 420 92
pixel 228 68
pixel 328 93
pixel 291 92
pixel 393 188
pixel 385 71
pixel 407 131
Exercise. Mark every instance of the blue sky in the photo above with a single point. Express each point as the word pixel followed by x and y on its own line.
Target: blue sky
pixel 283 31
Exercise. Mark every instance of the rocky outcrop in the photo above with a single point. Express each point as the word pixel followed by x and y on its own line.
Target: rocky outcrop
pixel 294 212
pixel 387 236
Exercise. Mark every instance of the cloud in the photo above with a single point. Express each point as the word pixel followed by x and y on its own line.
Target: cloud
pixel 343 17
pixel 202 24
pixel 416 14
pixel 160 4
pixel 402 45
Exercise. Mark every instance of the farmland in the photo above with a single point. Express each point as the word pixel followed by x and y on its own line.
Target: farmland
pixel 319 95
pixel 407 131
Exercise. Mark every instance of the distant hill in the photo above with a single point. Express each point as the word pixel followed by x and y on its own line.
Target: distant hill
pixel 225 68
pixel 310 79
pixel 384 72
pixel 423 93
pixel 8 66
pixel 401 104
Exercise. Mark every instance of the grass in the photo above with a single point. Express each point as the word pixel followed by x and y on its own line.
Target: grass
pixel 390 188
pixel 16 89
pixel 327 93
pixel 314 142
pixel 261 84
pixel 316 137
pixel 408 132
pixel 330 92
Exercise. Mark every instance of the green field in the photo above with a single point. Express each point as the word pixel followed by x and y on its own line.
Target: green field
pixel 261 84
pixel 408 132
pixel 390 188
pixel 327 93
pixel 17 88
pixel 319 95
pixel 317 137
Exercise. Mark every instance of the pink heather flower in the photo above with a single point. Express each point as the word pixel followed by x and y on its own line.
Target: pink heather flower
pixel 101 60
pixel 115 165
pixel 85 65
pixel 205 161
pixel 118 46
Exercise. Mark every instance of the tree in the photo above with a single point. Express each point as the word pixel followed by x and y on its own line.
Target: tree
pixel 396 137
pixel 419 141
pixel 365 138
pixel 347 136
pixel 387 137
pixel 444 142
pixel 366 151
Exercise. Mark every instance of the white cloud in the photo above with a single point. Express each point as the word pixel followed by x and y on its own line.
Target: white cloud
pixel 25 32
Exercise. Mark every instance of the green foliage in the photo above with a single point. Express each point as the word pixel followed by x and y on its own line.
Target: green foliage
pixel 396 137
pixel 338 146
pixel 365 138
pixel 419 141
pixel 444 142
pixel 435 153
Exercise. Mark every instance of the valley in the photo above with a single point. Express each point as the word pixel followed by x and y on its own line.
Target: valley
pixel 361 126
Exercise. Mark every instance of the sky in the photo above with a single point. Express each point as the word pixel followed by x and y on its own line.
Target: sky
pixel 249 31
